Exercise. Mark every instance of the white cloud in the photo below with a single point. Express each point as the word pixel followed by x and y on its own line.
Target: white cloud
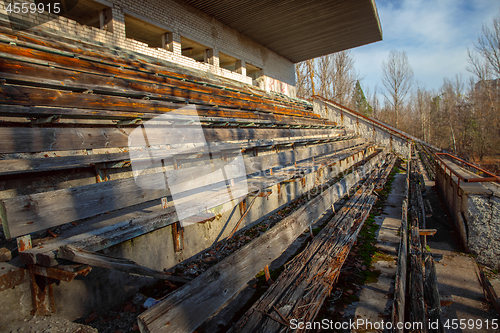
pixel 435 35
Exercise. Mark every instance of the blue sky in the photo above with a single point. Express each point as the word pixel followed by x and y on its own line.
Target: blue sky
pixel 435 35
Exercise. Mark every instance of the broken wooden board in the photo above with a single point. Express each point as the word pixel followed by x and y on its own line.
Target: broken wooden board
pixel 300 290
pixel 123 265
pixel 490 292
pixel 187 307
pixel 432 295
pixel 103 231
pixel 398 307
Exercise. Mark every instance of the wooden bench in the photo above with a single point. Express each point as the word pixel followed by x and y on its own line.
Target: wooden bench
pixel 67 113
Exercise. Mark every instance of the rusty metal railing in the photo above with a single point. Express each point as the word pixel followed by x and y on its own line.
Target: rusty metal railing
pixel 492 178
pixel 359 115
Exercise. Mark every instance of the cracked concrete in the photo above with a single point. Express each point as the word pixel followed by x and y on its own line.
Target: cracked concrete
pixel 483 226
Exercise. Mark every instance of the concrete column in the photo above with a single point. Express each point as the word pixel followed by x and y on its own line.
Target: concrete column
pixel 106 19
pixel 167 41
pixel 240 67
pixel 209 57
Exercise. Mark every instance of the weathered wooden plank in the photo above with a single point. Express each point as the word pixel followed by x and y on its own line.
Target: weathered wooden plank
pixel 78 64
pixel 104 231
pixel 124 226
pixel 100 54
pixel 417 304
pixel 26 139
pixel 398 308
pixel 153 86
pixel 123 265
pixel 29 213
pixel 186 308
pixel 206 113
pixel 25 214
pixel 21 165
pixel 12 166
pixel 432 296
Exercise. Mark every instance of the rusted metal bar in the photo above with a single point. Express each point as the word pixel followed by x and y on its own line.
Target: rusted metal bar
pixel 57 273
pixel 492 178
pixel 243 211
pixel 365 117
pixel 178 236
pixel 267 274
pixel 23 243
pixel 42 295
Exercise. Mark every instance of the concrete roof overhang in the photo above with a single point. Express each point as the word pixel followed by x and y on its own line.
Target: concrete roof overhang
pixel 299 29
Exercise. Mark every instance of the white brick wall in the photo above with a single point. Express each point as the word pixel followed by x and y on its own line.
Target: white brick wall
pixel 279 74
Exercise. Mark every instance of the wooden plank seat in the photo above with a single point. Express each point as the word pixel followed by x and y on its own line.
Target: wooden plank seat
pixel 29 52
pixel 117 226
pixel 33 212
pixel 61 42
pixel 66 117
pixel 96 51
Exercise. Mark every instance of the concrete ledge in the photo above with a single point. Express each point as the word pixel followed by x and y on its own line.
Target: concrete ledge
pixel 475 210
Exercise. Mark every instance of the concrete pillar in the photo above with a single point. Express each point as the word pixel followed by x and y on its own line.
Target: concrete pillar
pixel 106 19
pixel 167 41
pixel 209 56
pixel 240 67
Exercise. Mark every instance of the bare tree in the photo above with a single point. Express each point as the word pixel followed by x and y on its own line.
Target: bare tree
pixel 310 70
pixel 484 63
pixel 302 80
pixel 488 48
pixel 343 78
pixel 397 78
pixel 324 75
pixel 332 76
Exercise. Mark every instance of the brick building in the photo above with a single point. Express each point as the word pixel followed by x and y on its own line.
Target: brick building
pixel 254 42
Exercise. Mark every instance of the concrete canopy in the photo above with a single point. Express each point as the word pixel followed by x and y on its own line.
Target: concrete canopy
pixel 299 29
